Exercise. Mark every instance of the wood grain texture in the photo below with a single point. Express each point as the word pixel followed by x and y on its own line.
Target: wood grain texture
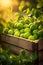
pixel 18 44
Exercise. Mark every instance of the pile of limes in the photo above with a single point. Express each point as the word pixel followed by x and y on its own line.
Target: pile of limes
pixel 29 27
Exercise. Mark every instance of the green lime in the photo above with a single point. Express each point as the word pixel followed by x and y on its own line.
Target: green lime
pixel 22 35
pixel 26 35
pixel 35 31
pixel 10 32
pixel 33 27
pixel 27 21
pixel 10 25
pixel 32 37
pixel 22 31
pixel 15 30
pixel 30 24
pixel 40 33
pixel 17 33
pixel 27 30
pixel 31 19
pixel 15 25
pixel 21 21
pixel 26 25
pixel 20 26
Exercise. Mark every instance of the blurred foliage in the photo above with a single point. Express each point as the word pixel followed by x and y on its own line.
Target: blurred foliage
pixel 23 5
pixel 8 58
pixel 3 25
pixel 40 3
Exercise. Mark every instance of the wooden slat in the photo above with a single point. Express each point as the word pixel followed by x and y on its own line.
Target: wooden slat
pixel 40 55
pixel 15 49
pixel 18 44
pixel 40 45
pixel 17 41
pixel 41 63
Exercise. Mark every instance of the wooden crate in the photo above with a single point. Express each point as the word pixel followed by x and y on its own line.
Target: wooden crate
pixel 18 44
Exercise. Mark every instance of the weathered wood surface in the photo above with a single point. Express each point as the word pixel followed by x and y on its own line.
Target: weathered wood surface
pixel 24 43
pixel 17 41
pixel 18 44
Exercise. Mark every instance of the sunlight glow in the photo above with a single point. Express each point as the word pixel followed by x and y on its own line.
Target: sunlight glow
pixel 5 3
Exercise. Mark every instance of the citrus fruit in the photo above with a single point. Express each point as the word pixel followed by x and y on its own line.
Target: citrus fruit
pixel 15 30
pixel 10 32
pixel 22 35
pixel 26 25
pixel 26 30
pixel 32 37
pixel 17 33
pixel 10 25
pixel 20 26
pixel 35 31
pixel 40 33
pixel 22 31
pixel 33 27
pixel 26 35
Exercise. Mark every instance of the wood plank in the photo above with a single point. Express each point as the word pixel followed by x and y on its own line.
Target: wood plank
pixel 41 63
pixel 40 55
pixel 15 49
pixel 17 41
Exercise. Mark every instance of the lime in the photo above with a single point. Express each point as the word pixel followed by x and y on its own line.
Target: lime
pixel 20 26
pixel 15 30
pixel 40 33
pixel 30 24
pixel 17 33
pixel 21 21
pixel 10 32
pixel 31 19
pixel 22 31
pixel 22 35
pixel 27 21
pixel 33 27
pixel 26 35
pixel 35 31
pixel 15 25
pixel 10 25
pixel 32 37
pixel 26 25
pixel 27 30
